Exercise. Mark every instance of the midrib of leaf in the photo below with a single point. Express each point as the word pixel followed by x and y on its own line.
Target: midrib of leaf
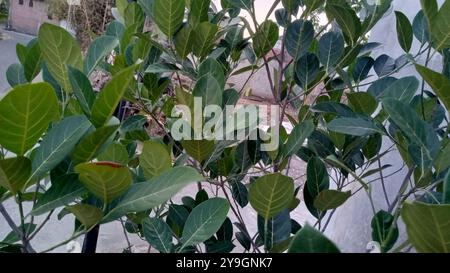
pixel 439 231
pixel 199 228
pixel 160 239
pixel 24 138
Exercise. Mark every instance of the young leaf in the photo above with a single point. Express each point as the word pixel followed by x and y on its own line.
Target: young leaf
pixel 33 62
pixel 82 89
pixel 331 199
pixel 270 194
pixel 404 31
pixel 155 159
pixel 204 221
pixel 199 149
pixel 310 240
pixel 144 196
pixel 59 50
pixel 25 114
pixel 106 181
pixel 14 173
pixel 88 215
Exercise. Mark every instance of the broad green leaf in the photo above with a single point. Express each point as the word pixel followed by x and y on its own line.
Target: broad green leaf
pixel 59 50
pixel 82 89
pixel 15 75
pixel 99 49
pixel 354 126
pixel 33 62
pixel 346 18
pixel 270 194
pixel 155 159
pixel 307 70
pixel 107 101
pixel 204 38
pixel 440 27
pixel 147 6
pixel 21 52
pixel 428 226
pixel 282 16
pixel 214 68
pixel 297 138
pixel 384 65
pixel 116 29
pixel 291 5
pixel 93 144
pixel 383 230
pixel 403 89
pixel 421 28
pixel 25 113
pixel 362 102
pixel 106 180
pixel 299 37
pixel 158 234
pixel 145 196
pixel 58 144
pixel 438 82
pixel 242 4
pixel 199 149
pixel 310 240
pixel 312 5
pixel 317 179
pixel 265 38
pixel 184 41
pixel 134 15
pixel 14 173
pixel 64 190
pixel 415 129
pixel 204 221
pixel 331 49
pixel 88 215
pixel 168 15
pixel 198 11
pixel 208 88
pixel 362 68
pixel 404 31
pixel 115 152
pixel 335 108
pixel 331 199
pixel 275 230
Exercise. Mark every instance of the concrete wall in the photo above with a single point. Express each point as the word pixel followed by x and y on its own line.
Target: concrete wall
pixel 27 19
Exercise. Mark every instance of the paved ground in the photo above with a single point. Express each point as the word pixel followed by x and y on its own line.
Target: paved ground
pixel 8 53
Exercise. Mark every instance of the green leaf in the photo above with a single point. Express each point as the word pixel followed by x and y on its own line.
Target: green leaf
pixel 204 37
pixel 310 240
pixel 346 18
pixel 110 96
pixel 198 11
pixel 158 234
pixel 240 194
pixel 331 199
pixel 421 28
pixel 168 15
pixel 362 68
pixel 147 6
pixel 99 49
pixel 115 152
pixel 213 68
pixel 382 223
pixel 199 149
pixel 33 62
pixel 21 52
pixel 134 15
pixel 58 144
pixel 440 27
pixel 15 75
pixel 354 126
pixel 414 128
pixel 312 5
pixel 331 49
pixel 59 50
pixel 317 179
pixel 204 221
pixel 106 180
pixel 155 159
pixel 297 138
pixel 362 102
pixel 270 194
pixel 446 189
pixel 265 38
pixel 403 89
pixel 93 144
pixel 82 89
pixel 242 4
pixel 64 190
pixel 438 82
pixel 208 88
pixel 25 114
pixel 145 196
pixel 404 31
pixel 428 226
pixel 307 70
pixel 14 173
pixel 116 29
pixel 291 5
pixel 88 215
pixel 184 41
pixel 299 37
pixel 275 230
